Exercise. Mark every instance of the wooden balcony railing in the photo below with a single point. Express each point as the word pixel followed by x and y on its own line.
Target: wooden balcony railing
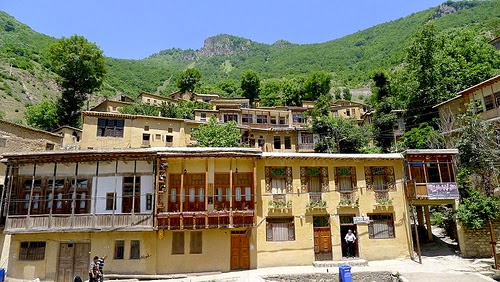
pixel 306 147
pixel 77 223
pixel 445 190
pixel 382 198
pixel 348 199
pixel 205 220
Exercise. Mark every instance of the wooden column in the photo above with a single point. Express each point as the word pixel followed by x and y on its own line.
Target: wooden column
pixel 73 196
pixel 439 170
pixel 420 216
pixel 426 176
pixel 94 199
pixel 133 187
pixel 53 193
pixel 428 223
pixel 230 192
pixel 9 192
pixel 115 196
pixel 3 202
pixel 31 191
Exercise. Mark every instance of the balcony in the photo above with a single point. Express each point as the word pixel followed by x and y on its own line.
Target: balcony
pixel 205 220
pixel 382 198
pixel 316 201
pixel 264 125
pixel 348 199
pixel 306 147
pixel 279 202
pixel 77 223
pixel 432 191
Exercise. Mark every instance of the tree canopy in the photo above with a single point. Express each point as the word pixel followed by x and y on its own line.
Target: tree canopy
pixel 250 84
pixel 213 134
pixel 317 84
pixel 81 67
pixel 42 115
pixel 189 79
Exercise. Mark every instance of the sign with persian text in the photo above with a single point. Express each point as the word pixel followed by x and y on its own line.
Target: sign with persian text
pixel 361 219
pixel 447 190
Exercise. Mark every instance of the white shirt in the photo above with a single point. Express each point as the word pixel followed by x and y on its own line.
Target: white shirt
pixel 350 237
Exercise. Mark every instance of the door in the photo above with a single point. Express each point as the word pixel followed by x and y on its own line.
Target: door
pixel 240 250
pixel 343 231
pixel 322 238
pixel 74 259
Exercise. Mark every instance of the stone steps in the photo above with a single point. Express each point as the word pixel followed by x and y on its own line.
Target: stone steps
pixel 337 263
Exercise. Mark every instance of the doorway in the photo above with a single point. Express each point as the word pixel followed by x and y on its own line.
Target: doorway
pixel 240 250
pixel 346 224
pixel 74 259
pixel 322 238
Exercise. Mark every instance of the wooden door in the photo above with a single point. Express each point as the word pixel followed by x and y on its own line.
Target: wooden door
pixel 74 259
pixel 240 250
pixel 322 243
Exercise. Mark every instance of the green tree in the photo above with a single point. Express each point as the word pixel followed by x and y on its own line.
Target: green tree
pixel 140 109
pixel 317 84
pixel 271 93
pixel 440 65
pixel 339 135
pixel 384 119
pixel 250 84
pixel 338 94
pixel 213 134
pixel 422 137
pixel 188 80
pixel 81 67
pixel 293 92
pixel 347 94
pixel 42 115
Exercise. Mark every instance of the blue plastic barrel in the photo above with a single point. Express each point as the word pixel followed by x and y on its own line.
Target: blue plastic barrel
pixel 2 274
pixel 345 273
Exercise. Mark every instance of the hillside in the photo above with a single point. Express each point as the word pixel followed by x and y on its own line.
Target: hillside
pixel 223 58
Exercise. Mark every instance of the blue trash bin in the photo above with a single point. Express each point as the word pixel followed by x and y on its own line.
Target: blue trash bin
pixel 2 274
pixel 345 273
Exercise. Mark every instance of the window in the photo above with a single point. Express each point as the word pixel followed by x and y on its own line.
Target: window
pixel 278 179
pixel 261 119
pixel 497 98
pixel 177 243
pixel 247 118
pixel 196 244
pixel 148 101
pixel 146 128
pixel 135 249
pixel 298 118
pixel 49 147
pixel 283 120
pixel 280 229
pixel 348 112
pixel 110 201
pixel 155 102
pixel 381 226
pixel 203 116
pixel 288 143
pixel 353 112
pixel 170 130
pixel 145 139
pixel 433 172
pixel 345 178
pixel 131 196
pixel 149 201
pixel 32 251
pixel 261 143
pixel 119 249
pixel 157 137
pixel 380 178
pixel 488 102
pixel 314 179
pixel 277 142
pixel 306 138
pixel 110 127
pixel 169 138
pixel 230 117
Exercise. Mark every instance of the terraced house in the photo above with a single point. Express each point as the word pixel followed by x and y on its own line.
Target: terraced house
pixel 157 211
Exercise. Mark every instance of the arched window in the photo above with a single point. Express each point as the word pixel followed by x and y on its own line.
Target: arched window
pixel 192 195
pixel 173 195
pixel 248 194
pixel 238 194
pixel 228 194
pixel 201 195
pixel 219 195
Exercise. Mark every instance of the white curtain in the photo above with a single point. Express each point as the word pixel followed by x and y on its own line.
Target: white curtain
pixel 345 183
pixel 279 185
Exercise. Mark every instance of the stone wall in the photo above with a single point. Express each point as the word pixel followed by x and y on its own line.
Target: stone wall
pixel 475 243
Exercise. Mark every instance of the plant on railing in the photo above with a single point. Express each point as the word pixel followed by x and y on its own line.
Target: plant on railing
pixel 384 201
pixel 316 204
pixel 349 202
pixel 278 204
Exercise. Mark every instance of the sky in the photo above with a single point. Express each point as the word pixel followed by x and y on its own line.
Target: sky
pixel 137 29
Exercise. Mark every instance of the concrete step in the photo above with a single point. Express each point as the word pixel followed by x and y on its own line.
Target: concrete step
pixel 337 263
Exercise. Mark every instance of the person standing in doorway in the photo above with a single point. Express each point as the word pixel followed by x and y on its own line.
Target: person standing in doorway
pixel 350 239
pixel 100 264
pixel 93 270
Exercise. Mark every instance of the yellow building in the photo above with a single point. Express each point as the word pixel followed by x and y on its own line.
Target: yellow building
pixel 157 211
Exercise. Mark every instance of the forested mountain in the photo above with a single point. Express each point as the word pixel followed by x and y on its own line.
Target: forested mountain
pixel 26 75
